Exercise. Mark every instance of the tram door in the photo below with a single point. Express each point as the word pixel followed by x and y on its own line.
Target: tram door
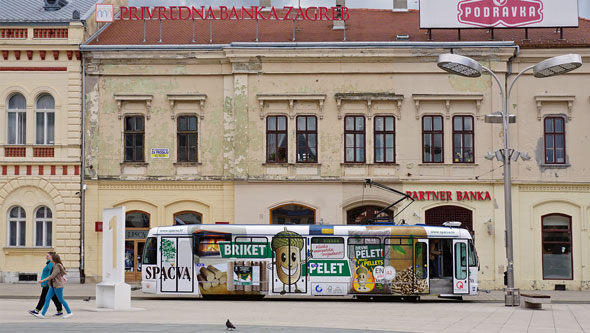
pixel 421 255
pixel 460 267
pixel 289 265
pixel 177 268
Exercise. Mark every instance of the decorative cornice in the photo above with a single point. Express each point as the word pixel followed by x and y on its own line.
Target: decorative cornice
pixel 554 188
pixel 291 99
pixel 569 99
pixel 370 98
pixel 175 98
pixel 168 186
pixel 447 99
pixel 120 98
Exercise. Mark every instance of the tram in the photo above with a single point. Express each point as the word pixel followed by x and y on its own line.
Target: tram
pixel 313 260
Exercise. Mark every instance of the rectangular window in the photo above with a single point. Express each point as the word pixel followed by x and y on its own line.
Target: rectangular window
pixel 134 139
pixel 17 124
pixel 150 251
pixel 460 261
pixel 327 247
pixel 17 233
pixel 463 139
pixel 45 128
pixel 276 139
pixel 554 140
pixel 354 139
pixel 385 139
pixel 187 139
pixel 432 139
pixel 364 248
pixel 307 139
pixel 557 247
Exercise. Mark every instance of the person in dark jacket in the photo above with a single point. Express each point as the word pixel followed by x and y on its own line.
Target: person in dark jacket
pixel 45 288
pixel 56 286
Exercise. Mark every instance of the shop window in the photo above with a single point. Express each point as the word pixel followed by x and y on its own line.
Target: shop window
pixel 187 138
pixel 368 214
pixel 188 218
pixel 17 229
pixel 554 140
pixel 134 139
pixel 43 227
pixel 292 214
pixel 557 247
pixel 137 220
pixel 463 139
pixel 307 139
pixel 354 139
pixel 432 139
pixel 276 139
pixel 16 126
pixel 45 120
pixel 384 139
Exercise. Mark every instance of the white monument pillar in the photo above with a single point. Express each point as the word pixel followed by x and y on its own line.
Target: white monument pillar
pixel 113 293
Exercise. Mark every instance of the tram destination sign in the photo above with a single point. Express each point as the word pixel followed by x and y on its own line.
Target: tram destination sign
pixel 224 13
pixel 498 13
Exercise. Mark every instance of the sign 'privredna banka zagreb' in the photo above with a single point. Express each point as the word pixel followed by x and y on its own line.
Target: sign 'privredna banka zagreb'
pixel 234 13
pixel 498 13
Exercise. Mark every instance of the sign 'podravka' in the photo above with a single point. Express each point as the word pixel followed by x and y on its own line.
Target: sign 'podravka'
pixel 498 13
pixel 234 13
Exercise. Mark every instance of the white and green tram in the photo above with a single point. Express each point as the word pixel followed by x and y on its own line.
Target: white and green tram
pixel 312 260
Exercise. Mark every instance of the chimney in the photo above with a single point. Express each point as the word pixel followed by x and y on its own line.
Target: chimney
pixel 400 5
pixel 51 5
pixel 338 22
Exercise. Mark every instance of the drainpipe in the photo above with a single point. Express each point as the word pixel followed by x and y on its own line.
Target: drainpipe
pixel 82 174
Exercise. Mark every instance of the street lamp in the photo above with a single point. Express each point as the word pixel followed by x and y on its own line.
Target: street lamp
pixel 465 66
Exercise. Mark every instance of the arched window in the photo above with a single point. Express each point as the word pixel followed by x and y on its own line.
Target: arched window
pixel 364 214
pixel 43 226
pixel 557 247
pixel 292 214
pixel 17 120
pixel 137 219
pixel 45 120
pixel 17 226
pixel 438 215
pixel 188 218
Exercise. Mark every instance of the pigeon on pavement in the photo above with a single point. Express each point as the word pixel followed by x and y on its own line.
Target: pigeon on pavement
pixel 229 325
pixel 87 299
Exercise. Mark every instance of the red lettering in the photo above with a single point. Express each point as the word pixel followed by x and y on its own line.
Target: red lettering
pixel 258 11
pixel 435 195
pixel 315 14
pixel 210 14
pixel 180 13
pixel 459 196
pixel 415 196
pixel 289 9
pixel 479 196
pixel 133 13
pixel 488 197
pixel 449 195
pixel 409 194
pixel 300 14
pixel 442 195
pixel 160 14
pixel 124 10
pixel 421 195
pixel 345 14
pixel 200 14
pixel 172 13
pixel 246 12
pixel 234 13
pixel 223 14
pixel 273 14
pixel 324 13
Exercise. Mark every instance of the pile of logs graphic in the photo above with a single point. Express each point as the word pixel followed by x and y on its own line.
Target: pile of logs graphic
pixel 210 277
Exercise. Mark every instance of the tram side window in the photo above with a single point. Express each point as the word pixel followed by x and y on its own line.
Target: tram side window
pixel 150 251
pixel 206 247
pixel 364 247
pixel 473 262
pixel 327 247
pixel 460 261
pixel 421 260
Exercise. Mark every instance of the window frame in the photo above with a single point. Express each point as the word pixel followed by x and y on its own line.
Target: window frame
pixel 464 133
pixel 135 133
pixel 19 221
pixel 187 212
pixel 142 212
pixel 355 133
pixel 571 245
pixel 44 222
pixel 432 133
pixel 276 132
pixel 385 132
pixel 45 113
pixel 554 134
pixel 270 213
pixel 187 133
pixel 19 113
pixel 306 132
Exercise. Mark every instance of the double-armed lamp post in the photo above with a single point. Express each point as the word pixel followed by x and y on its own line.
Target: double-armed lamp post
pixel 465 66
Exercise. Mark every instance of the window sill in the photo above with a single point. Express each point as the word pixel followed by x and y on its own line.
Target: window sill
pixel 134 164
pixel 385 164
pixel 556 166
pixel 26 250
pixel 275 164
pixel 187 164
pixel 353 164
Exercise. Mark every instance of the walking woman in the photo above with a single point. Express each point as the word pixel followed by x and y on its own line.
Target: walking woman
pixel 56 286
pixel 45 285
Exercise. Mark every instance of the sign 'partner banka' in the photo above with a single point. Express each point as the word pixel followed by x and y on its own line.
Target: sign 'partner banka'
pixel 498 13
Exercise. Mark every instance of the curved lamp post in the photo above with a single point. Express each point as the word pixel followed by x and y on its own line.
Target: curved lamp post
pixel 465 66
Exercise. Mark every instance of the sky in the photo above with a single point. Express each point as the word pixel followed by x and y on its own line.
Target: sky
pixel 378 4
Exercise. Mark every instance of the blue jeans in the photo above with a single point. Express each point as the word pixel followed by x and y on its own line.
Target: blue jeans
pixel 59 292
pixel 435 271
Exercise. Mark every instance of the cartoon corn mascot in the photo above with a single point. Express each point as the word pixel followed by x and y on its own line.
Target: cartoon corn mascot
pixel 287 246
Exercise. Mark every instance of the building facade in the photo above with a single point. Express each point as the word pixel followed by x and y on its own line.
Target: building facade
pixel 40 140
pixel 266 132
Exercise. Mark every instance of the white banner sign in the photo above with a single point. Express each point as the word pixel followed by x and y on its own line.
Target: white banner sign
pixel 498 13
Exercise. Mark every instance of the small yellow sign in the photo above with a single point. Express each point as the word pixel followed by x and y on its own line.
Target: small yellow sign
pixel 160 153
